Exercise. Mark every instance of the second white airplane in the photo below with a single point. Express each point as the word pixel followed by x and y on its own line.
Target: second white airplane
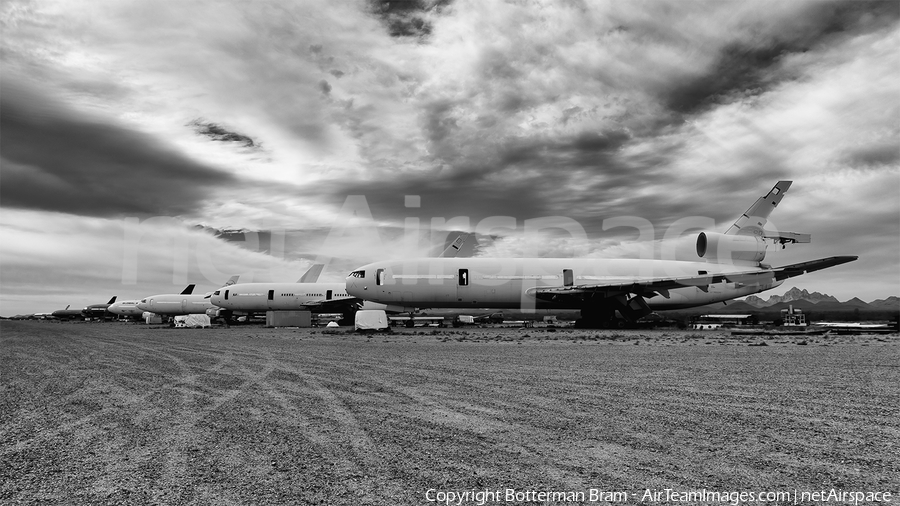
pixel 170 304
pixel 305 294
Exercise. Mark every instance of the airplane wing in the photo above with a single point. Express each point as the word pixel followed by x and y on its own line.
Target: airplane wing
pixel 336 305
pixel 651 287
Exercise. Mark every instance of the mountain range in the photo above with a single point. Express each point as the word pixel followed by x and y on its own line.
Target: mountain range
pixel 789 296
pixel 802 298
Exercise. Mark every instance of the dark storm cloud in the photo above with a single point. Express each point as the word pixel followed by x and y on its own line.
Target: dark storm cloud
pixel 57 161
pixel 406 18
pixel 218 133
pixel 463 194
pixel 750 67
pixel 582 176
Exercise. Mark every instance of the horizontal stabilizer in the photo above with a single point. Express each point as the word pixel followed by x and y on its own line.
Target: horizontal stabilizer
pixel 789 271
pixel 786 237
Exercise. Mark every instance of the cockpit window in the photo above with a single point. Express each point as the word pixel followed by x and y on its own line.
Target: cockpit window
pixel 143 301
pixel 216 292
pixel 358 274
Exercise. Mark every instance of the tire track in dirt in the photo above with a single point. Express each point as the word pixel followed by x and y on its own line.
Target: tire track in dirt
pixel 175 417
pixel 455 416
pixel 199 396
pixel 184 430
pixel 349 446
pixel 493 416
pixel 137 403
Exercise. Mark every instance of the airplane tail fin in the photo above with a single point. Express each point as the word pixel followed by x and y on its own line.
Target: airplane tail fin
pixel 188 289
pixel 232 280
pixel 113 299
pixel 453 249
pixel 312 274
pixel 753 221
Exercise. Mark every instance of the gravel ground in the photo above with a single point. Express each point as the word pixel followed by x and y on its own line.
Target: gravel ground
pixel 129 414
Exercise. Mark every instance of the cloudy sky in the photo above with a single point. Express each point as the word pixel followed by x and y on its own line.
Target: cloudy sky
pixel 135 133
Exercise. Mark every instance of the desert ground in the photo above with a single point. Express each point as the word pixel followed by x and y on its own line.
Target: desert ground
pixel 111 413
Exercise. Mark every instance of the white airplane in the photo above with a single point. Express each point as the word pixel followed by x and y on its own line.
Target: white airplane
pixel 728 266
pixel 179 304
pixel 129 308
pixel 305 294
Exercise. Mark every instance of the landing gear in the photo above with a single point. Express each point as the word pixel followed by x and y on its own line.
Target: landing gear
pixel 617 312
pixel 225 316
pixel 348 317
pixel 596 318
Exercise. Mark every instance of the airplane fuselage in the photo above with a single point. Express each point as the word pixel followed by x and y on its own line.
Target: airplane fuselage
pixel 175 304
pixel 250 297
pixel 126 308
pixel 68 314
pixel 509 283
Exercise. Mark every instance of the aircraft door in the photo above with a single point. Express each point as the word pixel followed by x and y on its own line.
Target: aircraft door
pixel 463 291
pixel 184 304
pixel 386 288
pixel 270 299
pixel 568 277
pixel 328 294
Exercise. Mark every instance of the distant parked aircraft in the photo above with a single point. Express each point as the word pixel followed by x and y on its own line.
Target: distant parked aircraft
pixel 608 292
pixel 68 314
pixel 98 310
pixel 129 308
